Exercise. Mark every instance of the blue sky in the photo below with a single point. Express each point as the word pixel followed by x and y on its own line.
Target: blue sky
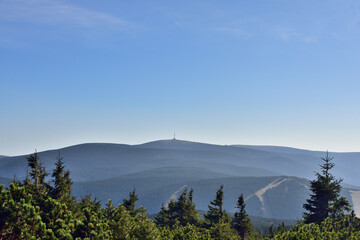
pixel 234 72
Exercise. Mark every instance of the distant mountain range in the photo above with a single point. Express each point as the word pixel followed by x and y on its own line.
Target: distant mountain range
pixel 272 179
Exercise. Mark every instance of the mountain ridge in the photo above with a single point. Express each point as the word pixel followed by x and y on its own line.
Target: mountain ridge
pixel 158 169
pixel 175 152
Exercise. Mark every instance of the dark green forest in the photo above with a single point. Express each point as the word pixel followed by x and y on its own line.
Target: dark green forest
pixel 39 208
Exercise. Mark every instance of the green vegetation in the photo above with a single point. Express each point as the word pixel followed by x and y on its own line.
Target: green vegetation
pixel 37 209
pixel 325 198
pixel 181 212
pixel 241 220
pixel 157 170
pixel 335 228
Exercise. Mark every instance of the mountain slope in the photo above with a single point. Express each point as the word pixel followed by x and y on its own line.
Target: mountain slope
pixel 163 168
pixel 276 197
pixel 101 161
pixel 5 181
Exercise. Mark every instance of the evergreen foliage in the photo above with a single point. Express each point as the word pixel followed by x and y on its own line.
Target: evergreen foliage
pixel 38 172
pixel 61 180
pixel 216 213
pixel 130 203
pixel 241 221
pixel 181 212
pixel 325 197
pixel 34 210
pixel 223 230
pixel 187 232
pixel 343 227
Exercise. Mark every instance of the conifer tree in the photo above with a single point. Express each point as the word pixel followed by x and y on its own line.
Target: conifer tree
pixel 190 196
pixel 271 232
pixel 38 172
pixel 216 212
pixel 61 179
pixel 281 228
pixel 182 211
pixel 163 218
pixel 185 209
pixel 325 193
pixel 241 221
pixel 130 203
pixel 19 218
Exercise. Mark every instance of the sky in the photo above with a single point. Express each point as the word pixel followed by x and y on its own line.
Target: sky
pixel 267 72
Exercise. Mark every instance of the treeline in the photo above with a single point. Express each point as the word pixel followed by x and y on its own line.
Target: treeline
pixel 39 209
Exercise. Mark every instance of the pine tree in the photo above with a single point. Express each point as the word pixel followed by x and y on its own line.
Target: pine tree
pixel 181 211
pixel 38 172
pixel 19 218
pixel 271 233
pixel 281 228
pixel 241 221
pixel 163 218
pixel 325 193
pixel 130 203
pixel 216 213
pixel 346 226
pixel 223 230
pixel 185 211
pixel 190 196
pixel 62 181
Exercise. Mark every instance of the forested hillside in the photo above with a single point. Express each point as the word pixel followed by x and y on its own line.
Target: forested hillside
pixel 272 179
pixel 39 209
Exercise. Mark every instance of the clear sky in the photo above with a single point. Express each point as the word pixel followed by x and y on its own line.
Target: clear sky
pixel 264 72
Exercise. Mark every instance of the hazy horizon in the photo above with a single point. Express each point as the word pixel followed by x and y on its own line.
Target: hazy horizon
pixel 170 139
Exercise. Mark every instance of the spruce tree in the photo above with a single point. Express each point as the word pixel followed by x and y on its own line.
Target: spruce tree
pixel 216 212
pixel 181 211
pixel 281 228
pixel 61 179
pixel 271 232
pixel 325 193
pixel 38 172
pixel 241 221
pixel 190 196
pixel 163 218
pixel 185 209
pixel 130 203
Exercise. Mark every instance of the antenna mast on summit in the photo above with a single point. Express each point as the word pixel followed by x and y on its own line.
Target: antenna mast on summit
pixel 174 136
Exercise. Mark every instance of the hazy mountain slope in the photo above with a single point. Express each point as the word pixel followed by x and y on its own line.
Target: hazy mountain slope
pixel 342 158
pixel 136 161
pixel 281 149
pixel 347 164
pixel 282 201
pixel 103 161
pixel 100 161
pixel 145 182
pixel 2 156
pixel 161 168
pixel 153 190
pixel 5 181
pixel 204 192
